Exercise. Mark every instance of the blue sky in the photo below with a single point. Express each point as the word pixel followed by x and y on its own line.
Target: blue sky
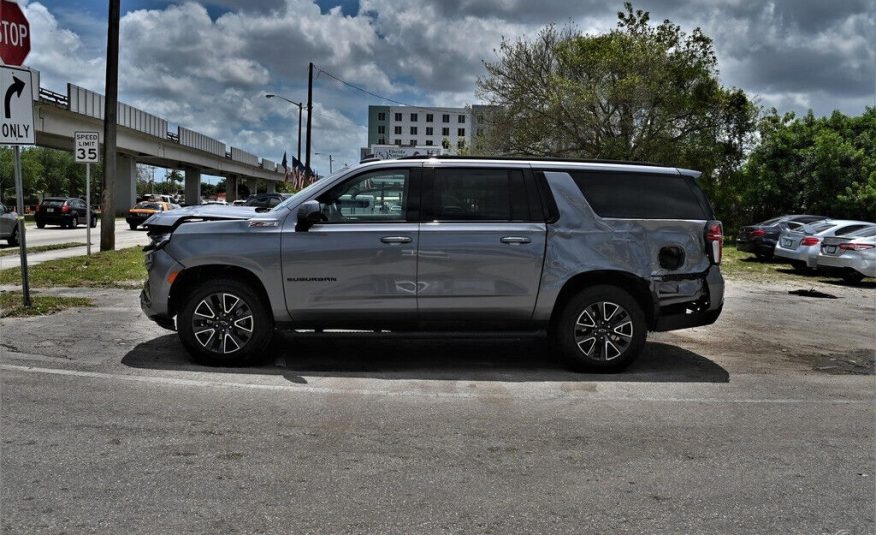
pixel 207 65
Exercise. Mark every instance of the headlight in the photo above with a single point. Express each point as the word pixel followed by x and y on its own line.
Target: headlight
pixel 158 241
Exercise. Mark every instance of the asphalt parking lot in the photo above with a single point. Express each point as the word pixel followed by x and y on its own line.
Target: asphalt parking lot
pixel 763 422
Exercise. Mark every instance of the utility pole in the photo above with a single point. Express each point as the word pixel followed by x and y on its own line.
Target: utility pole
pixel 309 115
pixel 108 216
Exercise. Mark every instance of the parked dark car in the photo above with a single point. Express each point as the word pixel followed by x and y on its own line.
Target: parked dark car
pixel 266 200
pixel 761 238
pixel 64 211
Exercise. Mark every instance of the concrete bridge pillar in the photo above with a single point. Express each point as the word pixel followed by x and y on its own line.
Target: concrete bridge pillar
pixel 193 185
pixel 124 187
pixel 252 184
pixel 271 186
pixel 231 188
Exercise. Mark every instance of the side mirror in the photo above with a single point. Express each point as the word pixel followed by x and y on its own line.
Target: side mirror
pixel 309 215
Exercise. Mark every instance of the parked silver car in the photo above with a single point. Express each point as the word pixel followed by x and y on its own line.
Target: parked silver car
pixel 800 246
pixel 8 224
pixel 853 256
pixel 593 253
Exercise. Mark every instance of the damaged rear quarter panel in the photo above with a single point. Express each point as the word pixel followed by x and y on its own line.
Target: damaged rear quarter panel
pixel 581 241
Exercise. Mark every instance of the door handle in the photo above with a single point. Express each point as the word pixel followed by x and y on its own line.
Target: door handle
pixel 515 240
pixel 396 239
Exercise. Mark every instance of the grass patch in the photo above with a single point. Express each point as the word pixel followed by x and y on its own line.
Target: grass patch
pixel 42 248
pixel 11 307
pixel 107 269
pixel 745 266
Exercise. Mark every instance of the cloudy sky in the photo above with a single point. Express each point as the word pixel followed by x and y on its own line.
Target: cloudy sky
pixel 207 65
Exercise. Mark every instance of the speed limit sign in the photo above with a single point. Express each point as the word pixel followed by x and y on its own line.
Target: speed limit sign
pixel 86 148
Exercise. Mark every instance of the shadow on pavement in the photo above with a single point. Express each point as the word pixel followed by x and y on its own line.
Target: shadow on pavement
pixel 508 360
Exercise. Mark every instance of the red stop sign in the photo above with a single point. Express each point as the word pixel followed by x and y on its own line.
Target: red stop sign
pixel 14 34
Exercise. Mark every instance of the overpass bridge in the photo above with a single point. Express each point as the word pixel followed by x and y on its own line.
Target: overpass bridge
pixel 145 138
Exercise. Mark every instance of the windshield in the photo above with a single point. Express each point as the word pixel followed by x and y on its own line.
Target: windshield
pixel 306 192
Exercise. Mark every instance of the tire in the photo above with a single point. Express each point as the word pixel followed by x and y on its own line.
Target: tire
pixel 74 222
pixel 210 309
pixel 93 222
pixel 852 276
pixel 133 226
pixel 764 257
pixel 799 266
pixel 602 329
pixel 13 238
pixel 41 225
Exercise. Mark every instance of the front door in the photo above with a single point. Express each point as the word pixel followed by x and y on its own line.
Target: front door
pixel 359 266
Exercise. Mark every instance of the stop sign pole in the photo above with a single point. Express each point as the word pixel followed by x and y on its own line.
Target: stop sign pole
pixel 17 119
pixel 14 34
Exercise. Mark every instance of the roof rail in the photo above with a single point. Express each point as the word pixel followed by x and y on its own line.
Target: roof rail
pixel 529 158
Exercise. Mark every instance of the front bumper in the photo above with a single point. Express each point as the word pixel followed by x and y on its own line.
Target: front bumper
pixel 155 296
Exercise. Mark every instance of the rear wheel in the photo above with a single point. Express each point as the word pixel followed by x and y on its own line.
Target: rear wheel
pixel 852 276
pixel 133 226
pixel 224 323
pixel 601 329
pixel 13 238
pixel 93 221
pixel 41 224
pixel 799 266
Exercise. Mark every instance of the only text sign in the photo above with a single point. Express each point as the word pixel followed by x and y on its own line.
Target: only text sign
pixel 16 117
pixel 86 148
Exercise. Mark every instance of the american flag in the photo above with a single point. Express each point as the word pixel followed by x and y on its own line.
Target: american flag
pixel 285 165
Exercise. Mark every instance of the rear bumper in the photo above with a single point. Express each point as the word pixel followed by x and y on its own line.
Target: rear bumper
pixel 865 266
pixel 757 246
pixel 703 311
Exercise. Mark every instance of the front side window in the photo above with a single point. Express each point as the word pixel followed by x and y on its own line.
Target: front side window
pixel 479 195
pixel 373 197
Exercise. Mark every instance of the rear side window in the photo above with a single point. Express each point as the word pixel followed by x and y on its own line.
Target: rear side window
pixel 851 229
pixel 642 195
pixel 480 195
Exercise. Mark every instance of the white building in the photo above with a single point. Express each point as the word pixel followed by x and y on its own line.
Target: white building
pixel 448 128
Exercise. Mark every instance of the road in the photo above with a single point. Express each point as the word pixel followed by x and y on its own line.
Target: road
pixel 51 235
pixel 108 426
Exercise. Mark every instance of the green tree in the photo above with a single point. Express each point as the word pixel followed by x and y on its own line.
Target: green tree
pixel 639 92
pixel 823 166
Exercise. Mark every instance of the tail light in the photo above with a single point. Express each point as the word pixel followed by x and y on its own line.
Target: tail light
pixel 715 241
pixel 65 208
pixel 855 246
pixel 757 233
pixel 810 240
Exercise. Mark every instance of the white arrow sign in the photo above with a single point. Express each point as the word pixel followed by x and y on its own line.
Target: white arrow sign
pixel 16 115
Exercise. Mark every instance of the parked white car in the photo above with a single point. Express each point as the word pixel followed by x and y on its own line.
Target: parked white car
pixel 800 247
pixel 854 256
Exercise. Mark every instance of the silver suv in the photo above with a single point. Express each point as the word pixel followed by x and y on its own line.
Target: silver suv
pixel 593 253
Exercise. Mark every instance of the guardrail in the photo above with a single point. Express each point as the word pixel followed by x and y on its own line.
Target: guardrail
pixel 62 100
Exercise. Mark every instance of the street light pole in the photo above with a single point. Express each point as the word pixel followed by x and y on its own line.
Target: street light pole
pixel 330 159
pixel 300 108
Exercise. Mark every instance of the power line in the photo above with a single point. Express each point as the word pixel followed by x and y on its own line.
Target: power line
pixel 381 97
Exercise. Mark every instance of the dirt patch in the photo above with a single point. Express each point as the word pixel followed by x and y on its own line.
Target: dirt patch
pixel 765 329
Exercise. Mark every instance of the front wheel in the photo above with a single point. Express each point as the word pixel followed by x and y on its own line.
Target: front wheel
pixel 13 238
pixel 224 322
pixel 133 226
pixel 602 329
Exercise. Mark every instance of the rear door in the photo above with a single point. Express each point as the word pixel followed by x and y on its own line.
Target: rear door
pixel 482 244
pixel 359 266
